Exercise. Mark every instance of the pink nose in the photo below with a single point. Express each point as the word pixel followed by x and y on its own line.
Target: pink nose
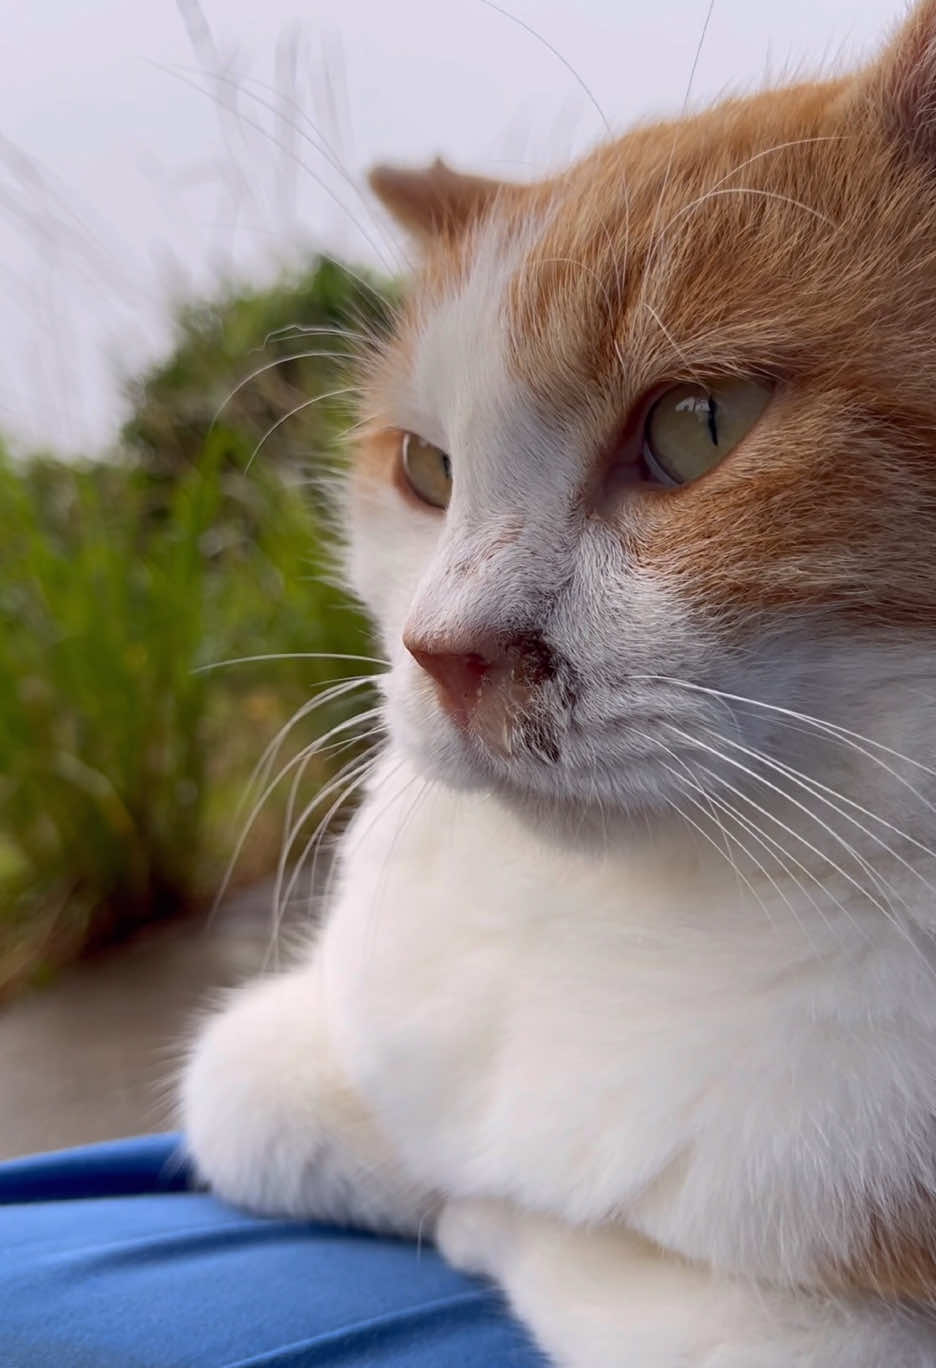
pixel 459 675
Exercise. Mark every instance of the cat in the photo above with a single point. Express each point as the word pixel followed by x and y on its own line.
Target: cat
pixel 627 992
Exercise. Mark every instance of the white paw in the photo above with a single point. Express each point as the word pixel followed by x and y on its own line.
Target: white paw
pixel 253 1103
pixel 271 1125
pixel 474 1234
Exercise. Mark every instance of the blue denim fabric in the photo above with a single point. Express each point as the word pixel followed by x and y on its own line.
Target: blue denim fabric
pixel 108 1259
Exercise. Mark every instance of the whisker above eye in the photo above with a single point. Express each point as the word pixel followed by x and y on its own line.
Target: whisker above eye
pixel 273 365
pixel 654 239
pixel 777 147
pixel 746 190
pixel 299 408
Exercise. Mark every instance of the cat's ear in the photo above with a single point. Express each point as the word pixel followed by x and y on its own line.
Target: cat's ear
pixel 435 201
pixel 903 81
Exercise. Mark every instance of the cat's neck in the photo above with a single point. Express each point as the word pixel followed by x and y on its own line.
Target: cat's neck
pixel 780 878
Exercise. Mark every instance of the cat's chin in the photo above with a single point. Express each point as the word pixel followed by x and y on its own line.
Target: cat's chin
pixel 552 798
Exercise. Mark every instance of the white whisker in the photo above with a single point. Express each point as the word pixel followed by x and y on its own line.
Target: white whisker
pixel 811 786
pixel 655 240
pixel 316 140
pixel 722 850
pixel 745 190
pixel 260 772
pixel 261 801
pixel 293 412
pixel 777 147
pixel 290 331
pixel 528 28
pixel 351 778
pixel 424 788
pixel 832 729
pixel 794 802
pixel 273 365
pixel 289 655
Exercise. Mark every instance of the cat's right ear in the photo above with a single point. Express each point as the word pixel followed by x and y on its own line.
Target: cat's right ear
pixel 433 202
pixel 903 81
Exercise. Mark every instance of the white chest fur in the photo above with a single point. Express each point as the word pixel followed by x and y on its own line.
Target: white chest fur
pixel 630 1035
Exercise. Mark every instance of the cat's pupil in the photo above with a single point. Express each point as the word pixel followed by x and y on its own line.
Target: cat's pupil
pixel 447 466
pixel 713 419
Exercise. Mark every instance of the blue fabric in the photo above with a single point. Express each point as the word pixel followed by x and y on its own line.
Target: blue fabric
pixel 108 1259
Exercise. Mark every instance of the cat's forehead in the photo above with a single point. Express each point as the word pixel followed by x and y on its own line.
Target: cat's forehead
pixel 665 245
pixel 712 243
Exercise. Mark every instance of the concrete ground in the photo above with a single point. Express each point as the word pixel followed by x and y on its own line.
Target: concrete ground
pixel 91 1056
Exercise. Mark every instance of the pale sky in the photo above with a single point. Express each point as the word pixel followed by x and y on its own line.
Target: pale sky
pixel 137 164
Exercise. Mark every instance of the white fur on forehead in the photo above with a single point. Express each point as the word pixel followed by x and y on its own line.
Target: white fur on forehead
pixel 459 363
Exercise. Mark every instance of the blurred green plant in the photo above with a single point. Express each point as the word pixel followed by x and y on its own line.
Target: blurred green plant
pixel 122 759
pixel 254 356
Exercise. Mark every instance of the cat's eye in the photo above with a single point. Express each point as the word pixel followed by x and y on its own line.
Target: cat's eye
pixel 692 427
pixel 427 469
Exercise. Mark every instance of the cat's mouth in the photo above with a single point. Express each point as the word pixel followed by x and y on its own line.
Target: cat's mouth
pixel 539 737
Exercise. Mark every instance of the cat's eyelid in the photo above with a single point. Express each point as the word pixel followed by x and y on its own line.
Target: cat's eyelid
pixel 406 418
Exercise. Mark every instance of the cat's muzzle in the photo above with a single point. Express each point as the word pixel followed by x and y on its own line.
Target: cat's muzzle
pixel 511 696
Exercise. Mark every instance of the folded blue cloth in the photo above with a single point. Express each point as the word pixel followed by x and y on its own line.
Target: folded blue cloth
pixel 108 1259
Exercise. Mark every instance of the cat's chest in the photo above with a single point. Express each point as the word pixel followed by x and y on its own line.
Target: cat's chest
pixel 527 1018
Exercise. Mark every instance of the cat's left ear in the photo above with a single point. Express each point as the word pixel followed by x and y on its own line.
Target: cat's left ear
pixel 433 202
pixel 903 81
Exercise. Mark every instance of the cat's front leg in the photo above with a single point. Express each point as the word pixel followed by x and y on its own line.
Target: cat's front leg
pixel 606 1298
pixel 272 1124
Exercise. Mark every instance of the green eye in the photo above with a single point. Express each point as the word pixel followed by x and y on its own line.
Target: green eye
pixel 428 470
pixel 692 427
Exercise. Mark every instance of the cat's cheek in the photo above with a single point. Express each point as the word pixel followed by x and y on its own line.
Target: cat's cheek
pixel 389 546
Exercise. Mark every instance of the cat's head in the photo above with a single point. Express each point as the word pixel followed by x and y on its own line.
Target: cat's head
pixel 658 436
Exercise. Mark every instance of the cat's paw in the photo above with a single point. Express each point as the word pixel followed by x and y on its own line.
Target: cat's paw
pixel 255 1101
pixel 473 1234
pixel 271 1125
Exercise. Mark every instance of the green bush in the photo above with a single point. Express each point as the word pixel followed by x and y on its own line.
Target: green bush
pixel 254 356
pixel 123 761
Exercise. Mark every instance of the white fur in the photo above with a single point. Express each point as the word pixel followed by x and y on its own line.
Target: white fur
pixel 561 997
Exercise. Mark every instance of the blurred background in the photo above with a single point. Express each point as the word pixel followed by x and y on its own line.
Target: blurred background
pixel 189 260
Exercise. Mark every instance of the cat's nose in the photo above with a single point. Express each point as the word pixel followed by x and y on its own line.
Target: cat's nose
pixel 459 676
pixel 504 674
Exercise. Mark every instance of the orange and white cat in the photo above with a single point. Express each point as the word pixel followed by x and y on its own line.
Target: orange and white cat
pixel 628 988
